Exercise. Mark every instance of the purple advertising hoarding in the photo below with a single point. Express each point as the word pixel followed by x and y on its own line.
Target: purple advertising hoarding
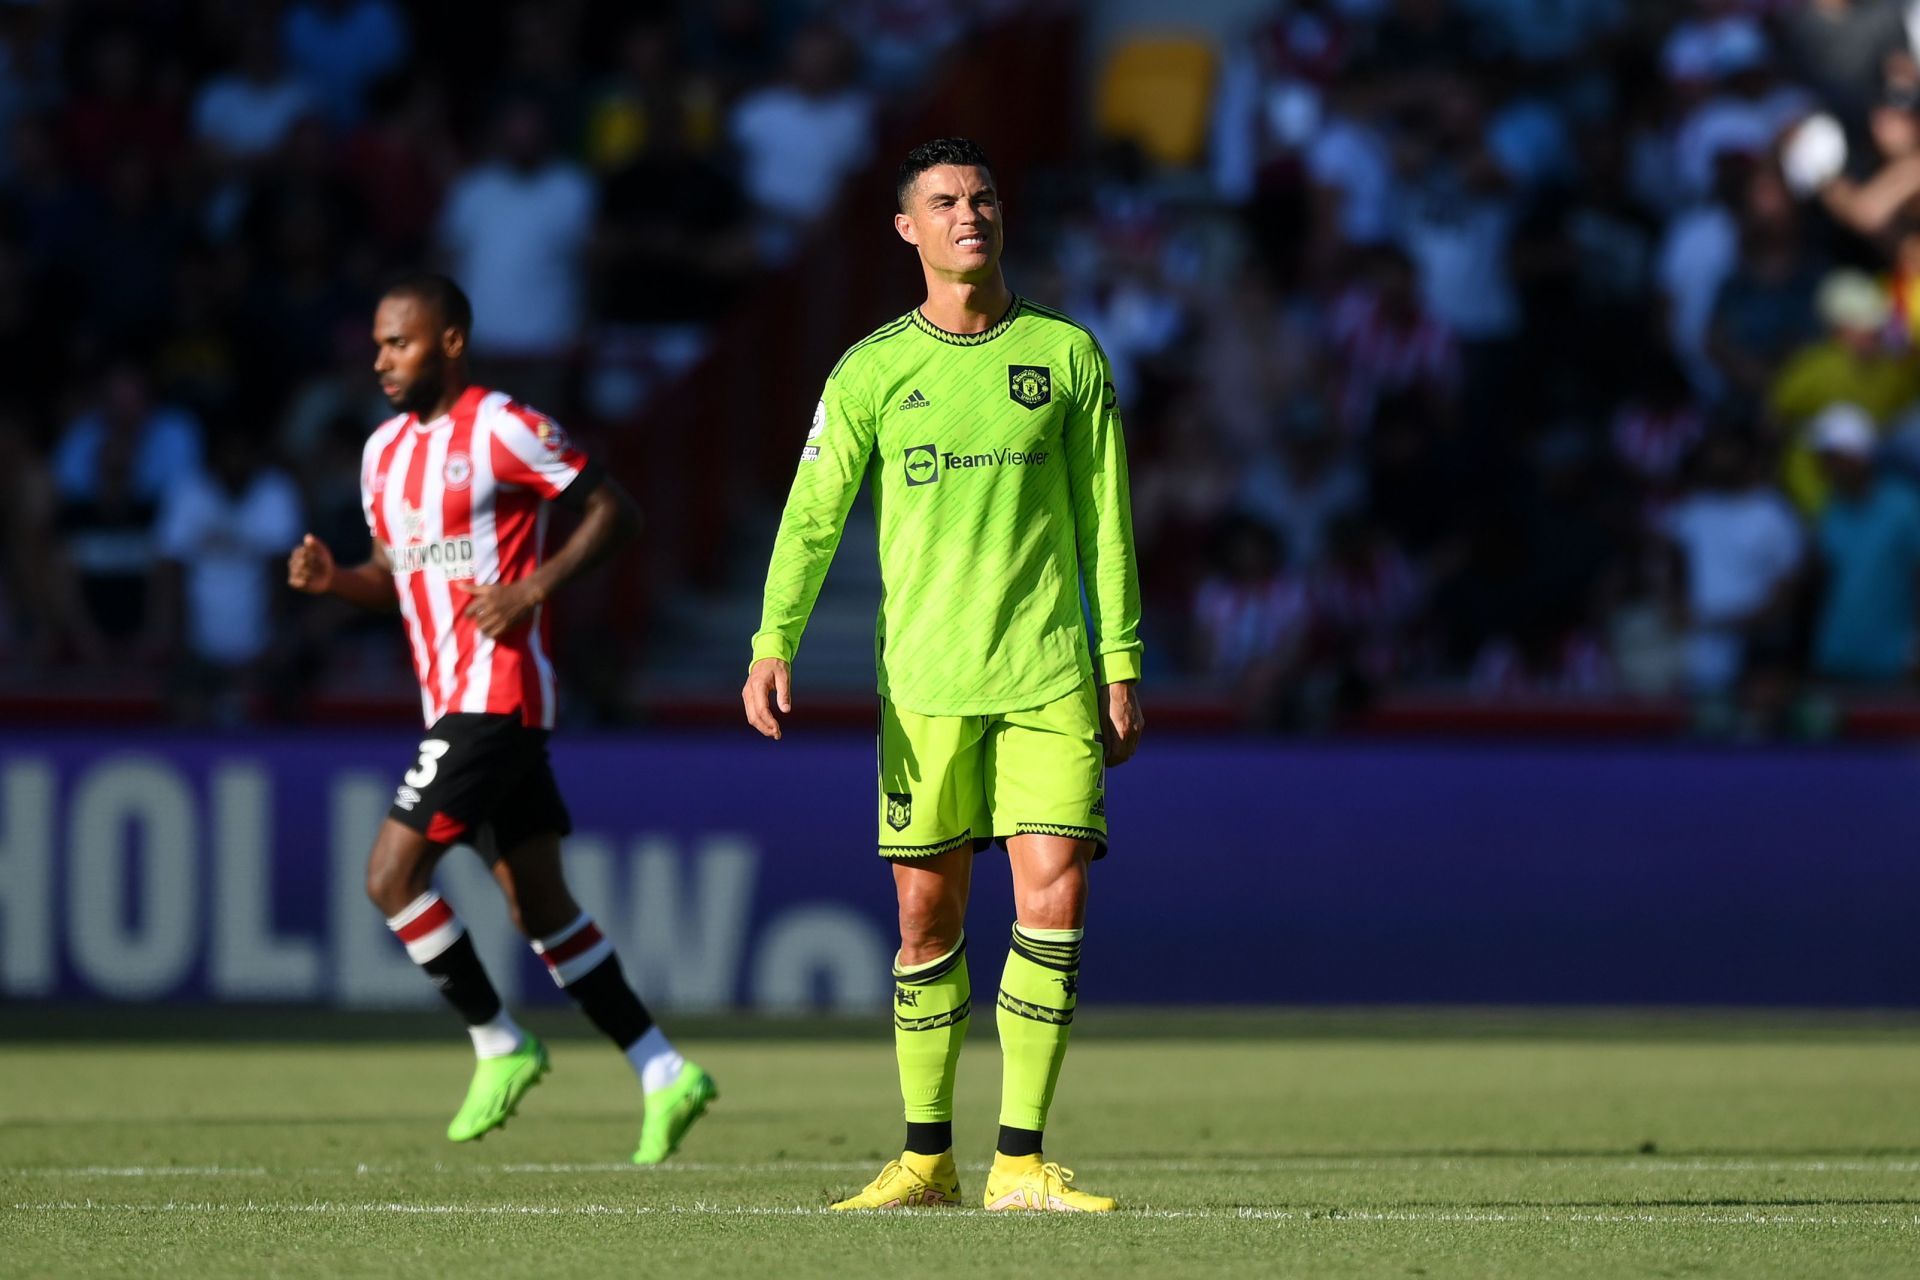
pixel 732 872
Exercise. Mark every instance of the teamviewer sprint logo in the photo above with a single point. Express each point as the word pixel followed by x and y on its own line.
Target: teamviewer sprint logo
pixel 923 464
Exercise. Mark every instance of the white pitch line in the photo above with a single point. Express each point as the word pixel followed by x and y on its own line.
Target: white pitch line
pixel 137 1171
pixel 1310 1218
pixel 1278 1164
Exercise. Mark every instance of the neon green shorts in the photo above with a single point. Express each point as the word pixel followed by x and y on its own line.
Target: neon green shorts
pixel 949 781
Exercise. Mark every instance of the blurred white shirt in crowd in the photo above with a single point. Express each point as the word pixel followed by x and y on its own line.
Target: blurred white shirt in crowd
pixel 343 49
pixel 1355 160
pixel 518 243
pixel 1738 547
pixel 245 118
pixel 226 545
pixel 796 149
pixel 166 450
pixel 1701 248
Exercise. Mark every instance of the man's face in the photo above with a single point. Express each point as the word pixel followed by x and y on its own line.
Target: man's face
pixel 953 217
pixel 412 350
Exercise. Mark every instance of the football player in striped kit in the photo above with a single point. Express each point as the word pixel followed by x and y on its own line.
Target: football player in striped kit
pixel 456 489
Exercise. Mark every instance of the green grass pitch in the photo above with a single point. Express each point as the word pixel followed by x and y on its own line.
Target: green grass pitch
pixel 1384 1144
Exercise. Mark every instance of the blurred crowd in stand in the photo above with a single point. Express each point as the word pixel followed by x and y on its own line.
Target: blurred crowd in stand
pixel 1560 350
pixel 1532 350
pixel 200 199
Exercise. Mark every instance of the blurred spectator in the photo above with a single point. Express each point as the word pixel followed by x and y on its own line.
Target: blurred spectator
pixel 1740 551
pixel 118 109
pixel 1853 364
pixel 29 607
pixel 675 239
pixel 341 48
pixel 799 138
pixel 400 162
pixel 1252 619
pixel 104 561
pixel 1766 307
pixel 1657 428
pixel 1746 113
pixel 244 113
pixel 516 231
pixel 1385 344
pixel 1305 484
pixel 1367 597
pixel 157 445
pixel 1842 49
pixel 653 103
pixel 126 265
pixel 221 537
pixel 1868 539
pixel 900 39
pixel 29 73
pixel 1548 660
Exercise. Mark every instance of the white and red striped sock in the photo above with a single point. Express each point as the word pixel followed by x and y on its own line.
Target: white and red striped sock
pixel 437 942
pixel 427 926
pixel 574 951
pixel 582 962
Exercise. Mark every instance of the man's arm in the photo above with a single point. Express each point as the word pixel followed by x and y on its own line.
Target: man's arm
pixel 832 465
pixel 311 569
pixel 609 520
pixel 1096 453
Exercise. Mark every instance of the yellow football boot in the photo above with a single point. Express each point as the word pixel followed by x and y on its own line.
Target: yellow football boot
pixel 1027 1183
pixel 911 1182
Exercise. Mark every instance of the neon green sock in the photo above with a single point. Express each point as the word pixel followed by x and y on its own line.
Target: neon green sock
pixel 1037 995
pixel 931 1003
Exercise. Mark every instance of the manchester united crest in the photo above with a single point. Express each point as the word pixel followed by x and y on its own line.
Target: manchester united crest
pixel 899 810
pixel 1029 385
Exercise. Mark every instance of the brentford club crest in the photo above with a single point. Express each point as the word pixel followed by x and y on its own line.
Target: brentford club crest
pixel 552 438
pixel 459 471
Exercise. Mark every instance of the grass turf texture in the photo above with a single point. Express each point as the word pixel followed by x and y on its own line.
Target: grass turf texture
pixel 1335 1144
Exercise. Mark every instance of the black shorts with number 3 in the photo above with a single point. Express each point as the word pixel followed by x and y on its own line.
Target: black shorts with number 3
pixel 482 780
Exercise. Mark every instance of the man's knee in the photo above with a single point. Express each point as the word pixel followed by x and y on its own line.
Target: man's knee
pixel 1057 901
pixel 930 921
pixel 399 869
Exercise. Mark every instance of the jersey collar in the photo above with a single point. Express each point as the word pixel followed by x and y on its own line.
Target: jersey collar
pixel 464 407
pixel 987 334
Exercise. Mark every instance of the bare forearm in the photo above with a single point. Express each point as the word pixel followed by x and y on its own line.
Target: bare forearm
pixel 609 523
pixel 368 586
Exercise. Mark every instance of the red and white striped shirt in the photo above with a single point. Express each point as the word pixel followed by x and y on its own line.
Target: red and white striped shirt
pixel 464 499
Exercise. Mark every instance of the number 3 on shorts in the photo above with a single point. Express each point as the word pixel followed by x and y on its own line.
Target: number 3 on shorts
pixel 430 752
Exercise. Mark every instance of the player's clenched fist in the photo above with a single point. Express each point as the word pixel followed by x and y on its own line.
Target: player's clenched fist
pixel 310 567
pixel 768 684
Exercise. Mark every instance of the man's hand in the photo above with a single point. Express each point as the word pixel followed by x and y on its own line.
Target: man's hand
pixel 1121 722
pixel 310 567
pixel 499 607
pixel 768 683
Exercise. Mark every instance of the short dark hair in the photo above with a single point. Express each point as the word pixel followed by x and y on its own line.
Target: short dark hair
pixel 438 292
pixel 929 155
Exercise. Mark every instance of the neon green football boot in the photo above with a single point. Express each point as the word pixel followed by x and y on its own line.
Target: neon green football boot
pixel 498 1085
pixel 671 1111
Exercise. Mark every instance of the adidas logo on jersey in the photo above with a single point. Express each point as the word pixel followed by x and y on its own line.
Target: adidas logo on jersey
pixel 915 401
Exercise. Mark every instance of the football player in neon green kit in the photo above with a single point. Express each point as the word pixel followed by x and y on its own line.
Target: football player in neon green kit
pixel 1000 483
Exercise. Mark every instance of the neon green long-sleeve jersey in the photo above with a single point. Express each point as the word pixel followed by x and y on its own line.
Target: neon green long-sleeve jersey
pixel 1000 485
